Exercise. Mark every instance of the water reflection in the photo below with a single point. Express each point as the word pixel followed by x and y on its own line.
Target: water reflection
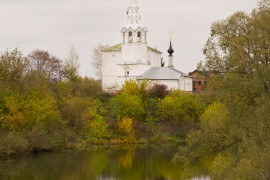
pixel 131 163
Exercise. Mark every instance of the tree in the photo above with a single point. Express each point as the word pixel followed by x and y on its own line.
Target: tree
pixel 96 59
pixel 71 65
pixel 239 127
pixel 46 64
pixel 126 105
pixel 179 106
pixel 13 67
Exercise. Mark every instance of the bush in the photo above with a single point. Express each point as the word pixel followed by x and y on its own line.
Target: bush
pixel 44 138
pixel 159 91
pixel 95 127
pixel 179 106
pixel 73 111
pixel 127 105
pixel 151 107
pixel 133 87
pixel 12 143
pixel 125 126
pixel 29 109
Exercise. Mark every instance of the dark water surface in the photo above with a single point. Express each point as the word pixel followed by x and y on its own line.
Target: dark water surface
pixel 129 163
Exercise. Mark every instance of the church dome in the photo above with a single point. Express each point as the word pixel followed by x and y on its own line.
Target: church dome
pixel 170 50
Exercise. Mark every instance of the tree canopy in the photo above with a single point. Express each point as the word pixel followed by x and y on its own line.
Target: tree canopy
pixel 237 125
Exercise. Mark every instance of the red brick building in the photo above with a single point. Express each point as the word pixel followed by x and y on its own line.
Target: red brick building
pixel 200 80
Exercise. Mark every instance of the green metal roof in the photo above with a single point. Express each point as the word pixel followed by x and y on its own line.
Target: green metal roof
pixel 153 49
pixel 118 47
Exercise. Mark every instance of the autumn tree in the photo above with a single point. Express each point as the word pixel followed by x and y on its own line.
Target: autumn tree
pixel 96 59
pixel 71 65
pixel 237 127
pixel 13 67
pixel 44 63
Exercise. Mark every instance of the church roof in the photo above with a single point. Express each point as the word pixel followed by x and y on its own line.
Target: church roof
pixel 118 47
pixel 162 73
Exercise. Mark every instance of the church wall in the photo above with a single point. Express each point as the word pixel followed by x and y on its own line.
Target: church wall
pixel 133 52
pixel 110 69
pixel 154 58
pixel 171 84
pixel 186 83
pixel 133 70
pixel 114 74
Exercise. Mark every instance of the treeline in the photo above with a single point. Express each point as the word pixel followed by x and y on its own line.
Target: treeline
pixel 236 126
pixel 34 95
pixel 45 105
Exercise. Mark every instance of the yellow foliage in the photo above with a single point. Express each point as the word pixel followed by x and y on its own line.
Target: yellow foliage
pixel 125 126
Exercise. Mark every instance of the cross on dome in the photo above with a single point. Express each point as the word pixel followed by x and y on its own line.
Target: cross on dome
pixel 133 15
pixel 171 33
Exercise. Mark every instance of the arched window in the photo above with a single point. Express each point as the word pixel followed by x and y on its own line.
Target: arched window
pixel 139 37
pixel 130 37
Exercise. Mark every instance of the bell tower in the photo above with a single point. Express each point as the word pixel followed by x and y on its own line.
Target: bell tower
pixel 134 37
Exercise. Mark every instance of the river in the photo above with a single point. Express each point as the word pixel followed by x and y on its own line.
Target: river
pixel 126 163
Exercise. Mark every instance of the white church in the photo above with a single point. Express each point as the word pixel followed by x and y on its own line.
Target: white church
pixel 133 59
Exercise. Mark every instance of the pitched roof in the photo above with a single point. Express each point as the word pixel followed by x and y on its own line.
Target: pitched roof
pixel 205 73
pixel 162 73
pixel 118 47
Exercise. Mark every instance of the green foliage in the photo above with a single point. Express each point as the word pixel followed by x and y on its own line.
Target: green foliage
pixel 179 106
pixel 127 105
pixel 237 126
pixel 12 68
pixel 133 87
pixel 95 127
pixel 46 137
pixel 73 110
pixel 71 66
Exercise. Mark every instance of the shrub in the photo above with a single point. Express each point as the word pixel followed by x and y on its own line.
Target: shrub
pixel 127 105
pixel 179 106
pixel 86 87
pixel 125 126
pixel 151 107
pixel 133 87
pixel 159 91
pixel 29 109
pixel 73 110
pixel 11 143
pixel 95 126
pixel 43 137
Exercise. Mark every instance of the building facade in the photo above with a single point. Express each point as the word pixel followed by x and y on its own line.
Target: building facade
pixel 200 80
pixel 133 59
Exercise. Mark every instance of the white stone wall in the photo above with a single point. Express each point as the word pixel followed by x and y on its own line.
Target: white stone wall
pixel 133 70
pixel 114 73
pixel 133 52
pixel 184 84
pixel 154 58
pixel 110 69
pixel 171 84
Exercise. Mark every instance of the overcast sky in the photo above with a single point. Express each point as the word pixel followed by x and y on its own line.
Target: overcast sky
pixel 57 25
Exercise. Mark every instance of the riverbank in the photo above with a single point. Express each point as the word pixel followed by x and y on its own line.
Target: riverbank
pixel 16 145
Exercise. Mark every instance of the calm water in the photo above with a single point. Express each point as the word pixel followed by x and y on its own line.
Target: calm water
pixel 132 163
